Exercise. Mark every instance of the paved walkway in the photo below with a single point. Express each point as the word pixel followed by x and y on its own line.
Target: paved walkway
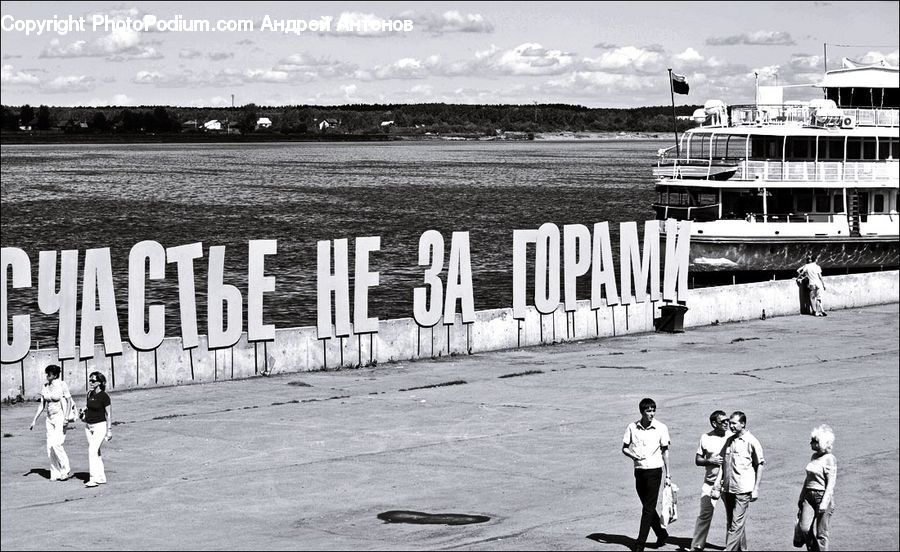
pixel 530 438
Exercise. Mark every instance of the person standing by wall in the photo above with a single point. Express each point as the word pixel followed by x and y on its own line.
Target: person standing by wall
pixel 811 273
pixel 57 401
pixel 742 473
pixel 97 417
pixel 646 441
pixel 710 456
pixel 817 494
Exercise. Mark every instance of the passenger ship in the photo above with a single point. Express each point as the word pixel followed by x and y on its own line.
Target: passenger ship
pixel 765 184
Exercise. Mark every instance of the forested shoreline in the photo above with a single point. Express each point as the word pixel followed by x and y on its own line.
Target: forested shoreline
pixel 347 122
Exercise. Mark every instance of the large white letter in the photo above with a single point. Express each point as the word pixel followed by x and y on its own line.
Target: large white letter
pixel 431 250
pixel 521 239
pixel 631 259
pixel 602 271
pixel 218 294
pixel 677 260
pixel 577 256
pixel 546 269
pixel 257 284
pixel 183 256
pixel 362 281
pixel 65 301
pixel 459 280
pixel 98 284
pixel 143 254
pixel 339 283
pixel 19 264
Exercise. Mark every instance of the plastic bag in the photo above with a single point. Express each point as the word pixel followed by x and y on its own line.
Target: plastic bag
pixel 669 504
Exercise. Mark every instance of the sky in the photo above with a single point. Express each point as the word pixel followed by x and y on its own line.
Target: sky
pixel 596 54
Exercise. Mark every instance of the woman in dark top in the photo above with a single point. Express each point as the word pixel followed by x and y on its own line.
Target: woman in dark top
pixel 97 418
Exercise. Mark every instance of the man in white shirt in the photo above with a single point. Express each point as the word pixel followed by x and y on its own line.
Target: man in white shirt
pixel 741 475
pixel 710 455
pixel 646 441
pixel 812 273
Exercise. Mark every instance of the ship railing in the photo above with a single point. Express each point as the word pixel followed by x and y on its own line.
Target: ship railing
pixel 793 217
pixel 788 114
pixel 768 114
pixel 821 171
pixel 873 117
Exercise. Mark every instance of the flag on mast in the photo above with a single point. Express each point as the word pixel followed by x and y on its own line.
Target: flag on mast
pixel 679 84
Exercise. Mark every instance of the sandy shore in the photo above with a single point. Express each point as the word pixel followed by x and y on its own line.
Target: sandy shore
pixel 307 461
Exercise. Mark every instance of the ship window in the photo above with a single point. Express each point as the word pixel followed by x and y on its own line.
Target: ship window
pixel 831 149
pixel 838 203
pixel 823 204
pixel 854 149
pixel 800 148
pixel 708 199
pixel 889 149
pixel 699 146
pixel 765 147
pixel 737 204
pixel 737 146
pixel 868 149
pixel 804 203
pixel 720 147
pixel 878 203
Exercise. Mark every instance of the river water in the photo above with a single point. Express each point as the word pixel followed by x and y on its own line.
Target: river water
pixel 57 197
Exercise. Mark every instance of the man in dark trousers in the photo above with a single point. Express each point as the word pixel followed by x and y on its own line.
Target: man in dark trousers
pixel 646 441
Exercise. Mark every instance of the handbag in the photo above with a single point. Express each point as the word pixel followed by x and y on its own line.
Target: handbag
pixel 798 534
pixel 669 504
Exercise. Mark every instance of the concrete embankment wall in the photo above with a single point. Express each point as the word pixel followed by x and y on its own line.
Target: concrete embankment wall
pixel 298 349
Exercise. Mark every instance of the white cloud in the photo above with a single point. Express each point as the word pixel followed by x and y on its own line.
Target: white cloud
pixel 80 83
pixel 349 90
pixel 189 53
pixel 10 76
pixel 121 44
pixel 689 54
pixel 449 22
pixel 533 59
pixel 756 38
pixel 627 59
pixel 304 67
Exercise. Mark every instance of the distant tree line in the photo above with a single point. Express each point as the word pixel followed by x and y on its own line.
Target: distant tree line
pixel 436 118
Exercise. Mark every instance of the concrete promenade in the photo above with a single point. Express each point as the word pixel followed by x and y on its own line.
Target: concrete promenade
pixel 308 460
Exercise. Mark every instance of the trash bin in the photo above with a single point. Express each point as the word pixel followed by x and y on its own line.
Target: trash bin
pixel 671 319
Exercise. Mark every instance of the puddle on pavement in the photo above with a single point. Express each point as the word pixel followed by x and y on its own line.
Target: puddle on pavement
pixel 422 518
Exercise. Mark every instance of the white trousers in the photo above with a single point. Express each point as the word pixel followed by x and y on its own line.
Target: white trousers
pixel 96 435
pixel 704 520
pixel 56 436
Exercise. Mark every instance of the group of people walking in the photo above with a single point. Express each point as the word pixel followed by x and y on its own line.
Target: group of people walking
pixel 57 403
pixel 733 460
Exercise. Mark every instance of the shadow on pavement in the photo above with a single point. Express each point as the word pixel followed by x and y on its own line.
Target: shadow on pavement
pixel 681 542
pixel 43 472
pixel 608 538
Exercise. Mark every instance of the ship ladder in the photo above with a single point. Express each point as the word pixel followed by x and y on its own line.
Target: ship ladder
pixel 854 213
